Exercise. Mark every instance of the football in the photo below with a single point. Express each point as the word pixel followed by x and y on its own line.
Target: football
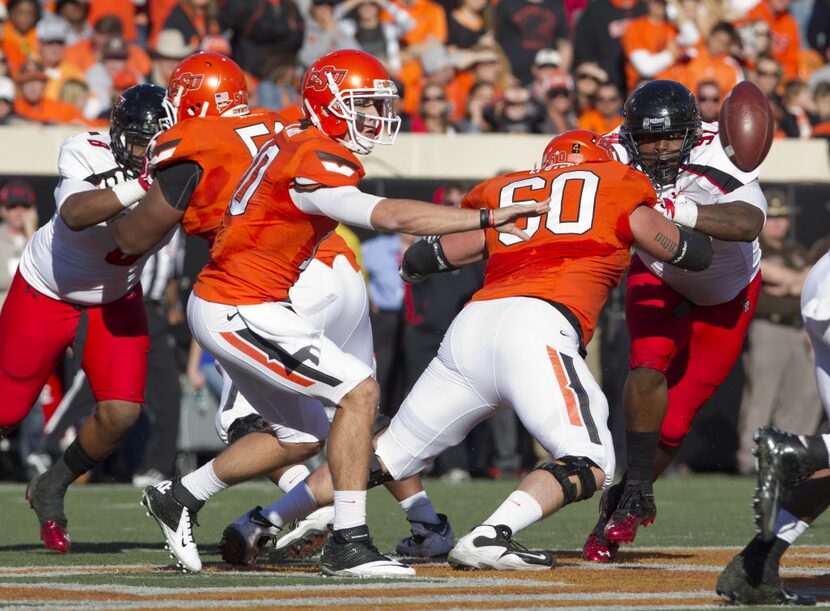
pixel 746 126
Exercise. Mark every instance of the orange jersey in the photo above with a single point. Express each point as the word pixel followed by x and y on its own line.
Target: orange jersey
pixel 333 246
pixel 579 250
pixel 643 33
pixel 223 147
pixel 265 241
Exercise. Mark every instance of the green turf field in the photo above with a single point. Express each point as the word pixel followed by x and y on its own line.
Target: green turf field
pixel 109 528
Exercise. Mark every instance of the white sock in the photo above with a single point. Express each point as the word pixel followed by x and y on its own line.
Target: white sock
pixel 419 508
pixel 292 477
pixel 788 527
pixel 203 483
pixel 297 503
pixel 349 508
pixel 826 439
pixel 518 511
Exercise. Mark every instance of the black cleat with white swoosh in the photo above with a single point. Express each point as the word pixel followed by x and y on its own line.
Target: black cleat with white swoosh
pixel 492 547
pixel 349 553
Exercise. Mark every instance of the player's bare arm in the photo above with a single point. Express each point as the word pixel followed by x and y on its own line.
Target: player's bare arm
pixel 420 218
pixel 657 236
pixel 88 208
pixel 730 221
pixel 160 210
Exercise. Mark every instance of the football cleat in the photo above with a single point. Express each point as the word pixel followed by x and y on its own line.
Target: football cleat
pixel 48 505
pixel 428 540
pixel 635 508
pixel 349 553
pixel 597 548
pixel 492 547
pixel 745 582
pixel 306 538
pixel 243 539
pixel 783 461
pixel 176 523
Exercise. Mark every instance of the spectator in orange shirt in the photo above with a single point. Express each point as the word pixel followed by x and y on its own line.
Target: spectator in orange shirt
pixel 649 44
pixel 713 62
pixel 123 9
pixel 75 13
pixel 608 112
pixel 85 53
pixel 30 103
pixel 19 39
pixel 51 36
pixel 430 24
pixel 708 100
pixel 786 42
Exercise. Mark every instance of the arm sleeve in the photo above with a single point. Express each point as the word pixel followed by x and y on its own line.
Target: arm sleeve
pixel 178 182
pixel 650 64
pixel 346 204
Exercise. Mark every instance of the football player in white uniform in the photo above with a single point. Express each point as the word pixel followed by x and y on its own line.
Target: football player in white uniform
pixel 72 270
pixel 687 328
pixel 793 486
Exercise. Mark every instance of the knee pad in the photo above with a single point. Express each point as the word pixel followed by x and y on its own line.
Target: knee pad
pixel 252 423
pixel 377 475
pixel 565 467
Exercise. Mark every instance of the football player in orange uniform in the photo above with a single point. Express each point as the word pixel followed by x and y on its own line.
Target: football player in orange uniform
pixel 518 343
pixel 298 187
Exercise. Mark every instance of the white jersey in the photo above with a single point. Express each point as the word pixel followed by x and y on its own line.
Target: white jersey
pixel 707 178
pixel 82 267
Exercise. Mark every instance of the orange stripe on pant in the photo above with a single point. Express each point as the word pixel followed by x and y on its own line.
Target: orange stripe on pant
pixel 567 391
pixel 234 340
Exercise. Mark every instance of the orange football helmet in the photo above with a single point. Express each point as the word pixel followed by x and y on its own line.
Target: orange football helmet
pixel 349 93
pixel 578 146
pixel 207 84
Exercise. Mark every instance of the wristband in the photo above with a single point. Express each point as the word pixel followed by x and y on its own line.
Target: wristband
pixel 492 217
pixel 685 214
pixel 483 218
pixel 129 192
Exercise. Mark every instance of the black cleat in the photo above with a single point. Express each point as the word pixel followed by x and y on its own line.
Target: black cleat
pixel 597 548
pixel 784 460
pixel 349 553
pixel 176 523
pixel 745 582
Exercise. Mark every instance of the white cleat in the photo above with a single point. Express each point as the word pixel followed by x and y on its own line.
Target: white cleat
pixel 307 537
pixel 176 523
pixel 243 539
pixel 492 547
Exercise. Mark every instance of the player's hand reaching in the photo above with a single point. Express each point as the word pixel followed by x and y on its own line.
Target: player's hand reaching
pixel 675 208
pixel 503 219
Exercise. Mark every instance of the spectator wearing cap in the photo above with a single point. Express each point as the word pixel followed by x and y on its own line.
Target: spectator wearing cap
pixel 19 38
pixel 377 26
pixel 323 33
pixel 101 76
pixel 52 35
pixel 18 212
pixel 86 53
pixel 33 106
pixel 598 35
pixel 547 74
pixel 75 13
pixel 8 116
pixel 780 389
pixel 198 22
pixel 607 111
pixel 170 49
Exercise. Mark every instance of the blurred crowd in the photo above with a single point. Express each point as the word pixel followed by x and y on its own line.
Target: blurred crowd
pixel 462 66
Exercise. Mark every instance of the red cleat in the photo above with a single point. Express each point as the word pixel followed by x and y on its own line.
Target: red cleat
pixel 54 536
pixel 636 507
pixel 597 548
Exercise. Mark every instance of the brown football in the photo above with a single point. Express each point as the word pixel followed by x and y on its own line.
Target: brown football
pixel 746 126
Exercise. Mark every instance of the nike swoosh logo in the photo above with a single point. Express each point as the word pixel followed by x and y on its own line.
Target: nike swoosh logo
pixel 230 316
pixel 561 332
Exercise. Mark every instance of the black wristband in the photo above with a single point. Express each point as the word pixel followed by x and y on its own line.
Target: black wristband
pixel 484 218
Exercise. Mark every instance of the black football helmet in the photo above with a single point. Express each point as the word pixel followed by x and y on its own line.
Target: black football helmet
pixel 136 117
pixel 660 109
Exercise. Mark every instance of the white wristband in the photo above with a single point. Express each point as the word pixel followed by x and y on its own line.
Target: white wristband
pixel 129 192
pixel 685 214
